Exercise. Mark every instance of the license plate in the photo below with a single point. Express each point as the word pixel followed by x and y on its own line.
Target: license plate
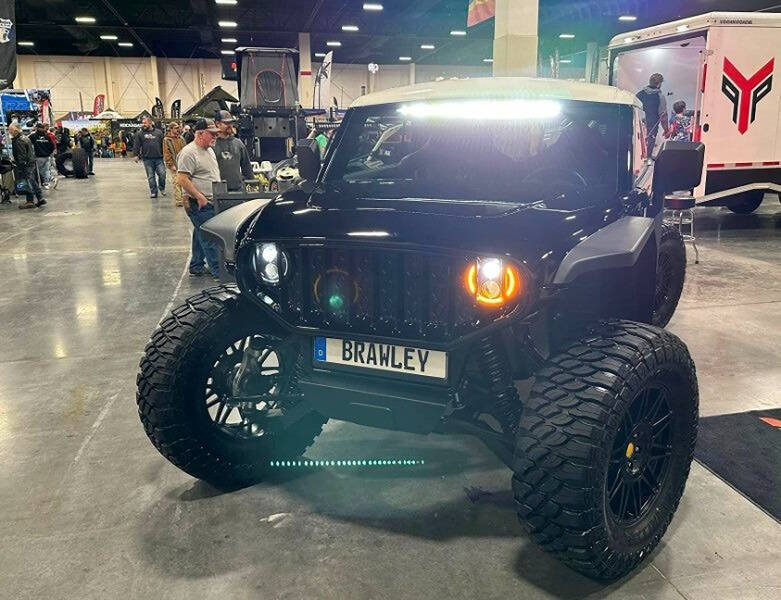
pixel 381 357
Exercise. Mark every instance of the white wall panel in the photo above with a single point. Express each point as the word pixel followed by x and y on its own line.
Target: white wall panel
pixel 66 78
pixel 178 81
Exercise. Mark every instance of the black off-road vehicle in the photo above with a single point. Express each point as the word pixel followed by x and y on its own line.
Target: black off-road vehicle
pixel 459 237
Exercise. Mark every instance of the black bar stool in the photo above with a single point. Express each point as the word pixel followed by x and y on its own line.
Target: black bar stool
pixel 679 211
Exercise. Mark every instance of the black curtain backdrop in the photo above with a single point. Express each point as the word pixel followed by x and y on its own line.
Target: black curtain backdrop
pixel 7 44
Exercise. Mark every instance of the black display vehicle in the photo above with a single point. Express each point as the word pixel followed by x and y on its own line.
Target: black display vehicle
pixel 458 238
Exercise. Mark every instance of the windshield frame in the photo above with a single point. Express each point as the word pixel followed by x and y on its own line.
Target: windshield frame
pixel 335 161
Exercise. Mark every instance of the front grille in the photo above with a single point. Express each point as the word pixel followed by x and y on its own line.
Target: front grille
pixel 384 292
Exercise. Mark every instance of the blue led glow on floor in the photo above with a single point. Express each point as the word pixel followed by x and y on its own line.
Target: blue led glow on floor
pixel 289 464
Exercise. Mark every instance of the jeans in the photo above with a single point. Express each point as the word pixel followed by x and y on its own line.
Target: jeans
pixel 44 163
pixel 155 166
pixel 32 179
pixel 202 248
pixel 91 163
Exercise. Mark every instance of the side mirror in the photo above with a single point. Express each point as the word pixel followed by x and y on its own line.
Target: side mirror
pixel 308 154
pixel 678 167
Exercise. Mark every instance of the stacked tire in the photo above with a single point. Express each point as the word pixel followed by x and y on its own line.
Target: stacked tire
pixel 73 163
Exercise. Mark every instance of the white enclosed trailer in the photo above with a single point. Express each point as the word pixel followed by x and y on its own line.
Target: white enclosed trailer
pixel 727 68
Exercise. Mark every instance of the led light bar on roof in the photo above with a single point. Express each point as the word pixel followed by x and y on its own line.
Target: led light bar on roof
pixel 483 110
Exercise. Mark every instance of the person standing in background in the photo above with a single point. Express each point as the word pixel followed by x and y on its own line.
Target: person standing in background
pixel 197 170
pixel 44 149
pixel 148 147
pixel 172 146
pixel 25 171
pixel 232 155
pixel 188 134
pixel 87 143
pixel 655 108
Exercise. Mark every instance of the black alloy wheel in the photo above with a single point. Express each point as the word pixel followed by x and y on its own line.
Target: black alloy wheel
pixel 242 416
pixel 640 458
pixel 670 275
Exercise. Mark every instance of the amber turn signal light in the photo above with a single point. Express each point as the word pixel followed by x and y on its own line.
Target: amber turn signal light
pixel 492 282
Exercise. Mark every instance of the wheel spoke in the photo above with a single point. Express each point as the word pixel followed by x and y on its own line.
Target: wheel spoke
pixel 638 497
pixel 663 419
pixel 653 486
pixel 661 396
pixel 643 401
pixel 266 353
pixel 211 403
pixel 225 415
pixel 616 485
pixel 622 506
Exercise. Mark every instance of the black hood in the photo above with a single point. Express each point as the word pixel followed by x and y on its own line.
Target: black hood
pixel 527 232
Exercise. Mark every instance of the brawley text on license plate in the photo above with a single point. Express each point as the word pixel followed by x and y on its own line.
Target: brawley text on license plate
pixel 383 357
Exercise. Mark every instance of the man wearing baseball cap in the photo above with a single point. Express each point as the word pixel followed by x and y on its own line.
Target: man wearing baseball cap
pixel 196 170
pixel 232 155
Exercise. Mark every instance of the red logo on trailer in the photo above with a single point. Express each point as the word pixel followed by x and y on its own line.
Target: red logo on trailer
pixel 746 93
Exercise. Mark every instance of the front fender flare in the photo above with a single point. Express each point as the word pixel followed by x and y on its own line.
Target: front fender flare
pixel 224 227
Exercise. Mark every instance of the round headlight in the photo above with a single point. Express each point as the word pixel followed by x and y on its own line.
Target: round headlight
pixel 270 263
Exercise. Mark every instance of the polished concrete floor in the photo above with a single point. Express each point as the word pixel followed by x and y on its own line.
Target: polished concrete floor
pixel 88 509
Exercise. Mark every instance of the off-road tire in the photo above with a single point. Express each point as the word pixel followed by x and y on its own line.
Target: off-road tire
pixel 79 163
pixel 670 275
pixel 747 202
pixel 176 363
pixel 566 435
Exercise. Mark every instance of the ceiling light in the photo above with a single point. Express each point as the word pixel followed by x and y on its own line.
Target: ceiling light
pixel 227 52
pixel 333 44
pixel 227 24
pixel 125 44
pixel 228 40
pixel 85 19
pixel 349 28
pixel 488 60
pixel 683 28
pixel 427 46
pixel 108 37
pixel 405 58
pixel 372 6
pixel 565 61
pixel 567 36
pixel 319 54
pixel 627 18
pixel 457 32
pixel 231 2
pixel 25 43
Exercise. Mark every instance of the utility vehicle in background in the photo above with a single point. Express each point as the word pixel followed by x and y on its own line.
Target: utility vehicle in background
pixel 727 68
pixel 394 289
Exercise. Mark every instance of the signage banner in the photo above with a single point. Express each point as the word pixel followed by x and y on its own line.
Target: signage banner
pixel 479 11
pixel 99 105
pixel 176 109
pixel 322 95
pixel 7 43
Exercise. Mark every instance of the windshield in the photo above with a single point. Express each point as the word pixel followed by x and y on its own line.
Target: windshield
pixel 506 152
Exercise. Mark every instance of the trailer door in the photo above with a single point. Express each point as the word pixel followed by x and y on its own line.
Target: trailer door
pixel 742 99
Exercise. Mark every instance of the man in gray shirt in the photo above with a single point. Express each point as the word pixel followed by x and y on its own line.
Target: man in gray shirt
pixel 196 170
pixel 232 155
